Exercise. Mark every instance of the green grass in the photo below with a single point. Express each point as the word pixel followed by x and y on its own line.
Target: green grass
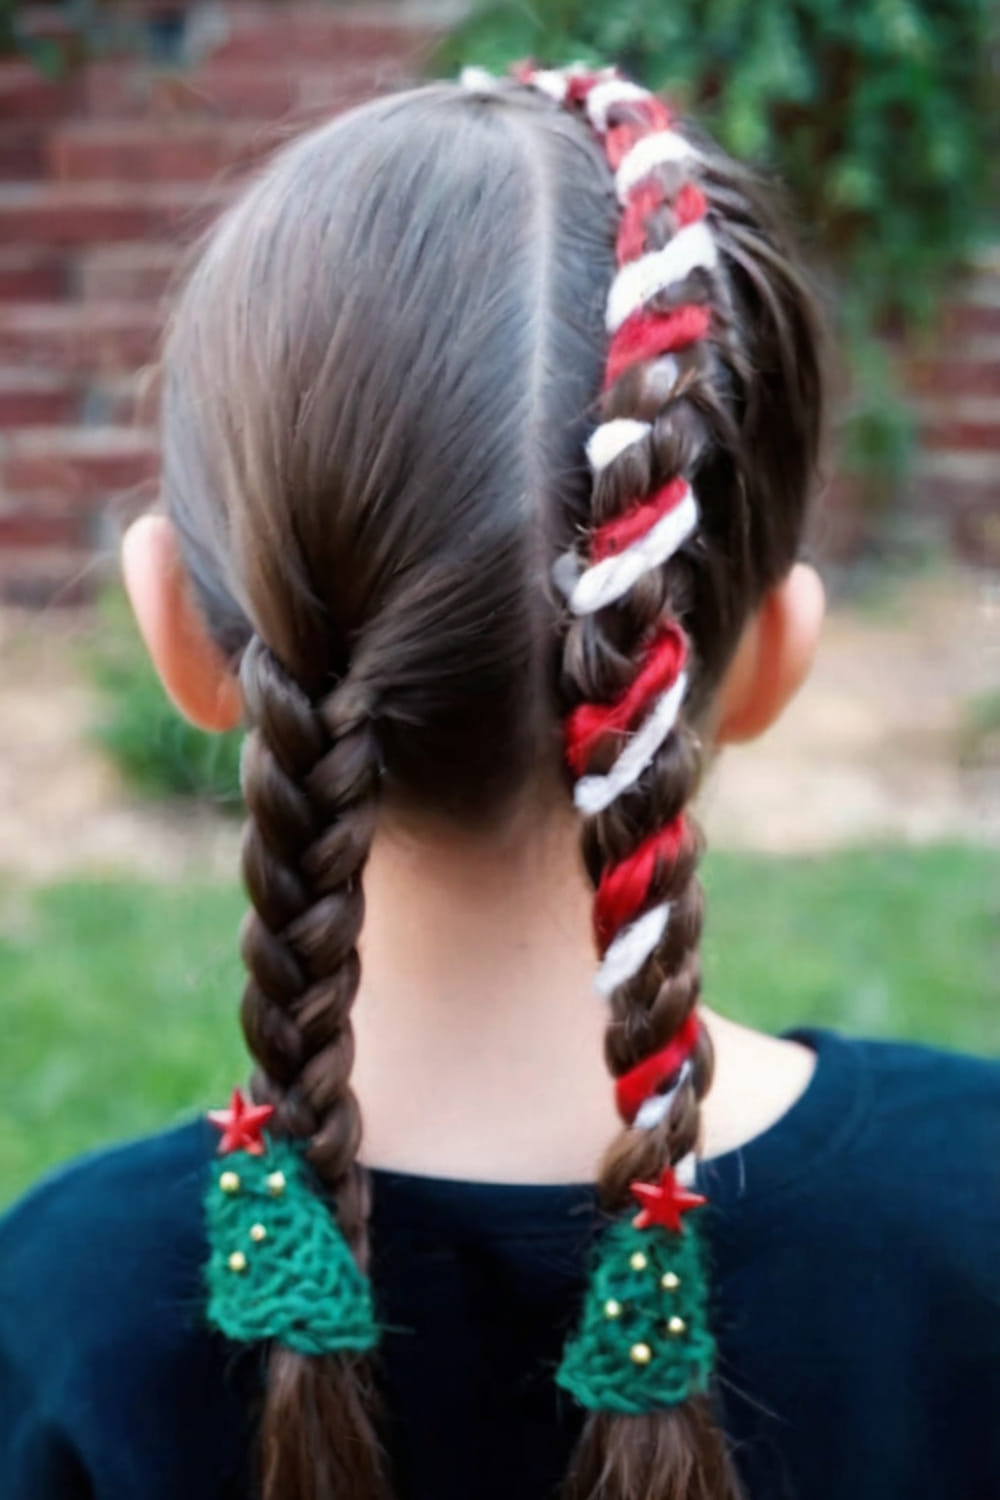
pixel 118 1000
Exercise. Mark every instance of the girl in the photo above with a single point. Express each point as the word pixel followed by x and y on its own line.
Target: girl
pixel 491 416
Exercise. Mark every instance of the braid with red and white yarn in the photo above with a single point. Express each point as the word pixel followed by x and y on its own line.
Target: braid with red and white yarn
pixel 635 130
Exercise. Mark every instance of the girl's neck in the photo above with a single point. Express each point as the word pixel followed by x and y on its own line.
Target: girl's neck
pixel 479 1034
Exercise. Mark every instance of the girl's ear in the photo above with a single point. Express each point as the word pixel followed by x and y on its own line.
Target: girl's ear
pixel 190 665
pixel 773 658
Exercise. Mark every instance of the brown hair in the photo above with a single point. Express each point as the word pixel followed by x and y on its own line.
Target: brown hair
pixel 379 382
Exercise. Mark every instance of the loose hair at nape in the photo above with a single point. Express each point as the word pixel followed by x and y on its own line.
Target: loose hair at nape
pixel 490 413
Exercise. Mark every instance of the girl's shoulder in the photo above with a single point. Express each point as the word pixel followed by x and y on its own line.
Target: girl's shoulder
pixel 890 1138
pixel 100 1215
pixel 106 1254
pixel 111 1381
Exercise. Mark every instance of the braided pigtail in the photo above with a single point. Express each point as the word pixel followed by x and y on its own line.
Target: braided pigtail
pixel 376 399
pixel 642 1358
pixel 310 774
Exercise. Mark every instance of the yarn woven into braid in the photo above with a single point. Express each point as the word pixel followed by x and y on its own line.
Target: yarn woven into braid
pixel 627 665
pixel 627 658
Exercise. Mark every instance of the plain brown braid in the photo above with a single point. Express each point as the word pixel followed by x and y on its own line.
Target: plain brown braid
pixel 310 780
pixel 679 1454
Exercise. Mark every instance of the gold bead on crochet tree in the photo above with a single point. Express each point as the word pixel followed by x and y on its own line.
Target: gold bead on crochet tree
pixel 640 1354
pixel 229 1182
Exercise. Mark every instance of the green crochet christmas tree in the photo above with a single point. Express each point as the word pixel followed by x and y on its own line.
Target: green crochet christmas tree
pixel 643 1342
pixel 279 1267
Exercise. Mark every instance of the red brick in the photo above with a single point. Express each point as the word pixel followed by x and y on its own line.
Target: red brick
pixel 281 91
pixel 260 93
pixel 104 338
pixel 961 436
pixel 956 376
pixel 40 528
pixel 129 400
pixel 973 320
pixel 21 152
pixel 80 214
pixel 29 398
pixel 47 577
pixel 155 151
pixel 128 273
pixel 305 32
pixel 26 94
pixel 85 466
pixel 31 275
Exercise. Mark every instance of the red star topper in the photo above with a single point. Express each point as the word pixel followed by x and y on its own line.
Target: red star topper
pixel 663 1202
pixel 241 1125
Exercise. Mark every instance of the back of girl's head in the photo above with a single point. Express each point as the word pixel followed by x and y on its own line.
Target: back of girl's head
pixel 380 383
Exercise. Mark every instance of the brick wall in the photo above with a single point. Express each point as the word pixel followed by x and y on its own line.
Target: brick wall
pixel 107 174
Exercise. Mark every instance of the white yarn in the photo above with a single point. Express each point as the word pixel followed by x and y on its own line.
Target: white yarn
pixel 647 154
pixel 553 83
pixel 607 580
pixel 612 438
pixel 478 80
pixel 593 794
pixel 631 948
pixel 686 1170
pixel 604 96
pixel 641 280
pixel 658 1106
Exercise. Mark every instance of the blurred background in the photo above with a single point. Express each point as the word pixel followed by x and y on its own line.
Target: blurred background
pixel 854 864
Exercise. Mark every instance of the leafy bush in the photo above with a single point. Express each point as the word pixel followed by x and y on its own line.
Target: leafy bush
pixel 158 751
pixel 881 118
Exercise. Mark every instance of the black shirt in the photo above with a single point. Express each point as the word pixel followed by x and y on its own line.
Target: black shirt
pixel 856 1255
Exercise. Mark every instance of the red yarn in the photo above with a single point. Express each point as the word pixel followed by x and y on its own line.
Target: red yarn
pixel 641 1082
pixel 689 205
pixel 580 85
pixel 618 535
pixel 623 889
pixel 620 139
pixel 648 335
pixel 657 115
pixel 589 723
pixel 643 201
pixel 648 116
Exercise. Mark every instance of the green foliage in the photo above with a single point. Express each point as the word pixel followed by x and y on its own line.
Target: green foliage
pixel 8 28
pixel 158 751
pixel 56 40
pixel 120 998
pixel 898 942
pixel 881 119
